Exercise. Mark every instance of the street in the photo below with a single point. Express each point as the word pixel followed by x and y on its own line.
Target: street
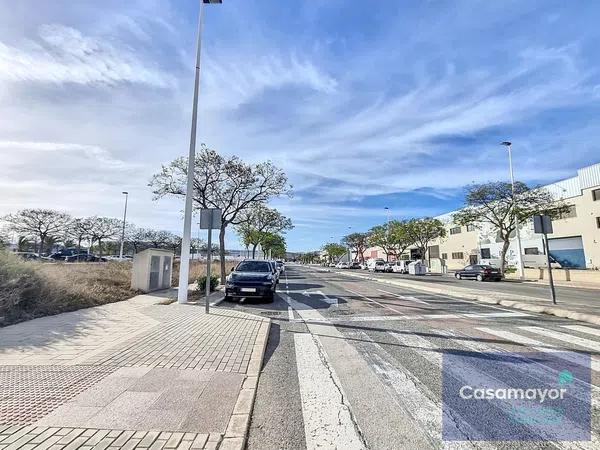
pixel 352 363
pixel 570 295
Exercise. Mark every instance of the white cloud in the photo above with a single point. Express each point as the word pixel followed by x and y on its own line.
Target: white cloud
pixel 64 55
pixel 235 79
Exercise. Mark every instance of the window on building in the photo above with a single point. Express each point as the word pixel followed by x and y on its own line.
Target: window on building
pixel 457 255
pixel 571 212
pixel 596 195
pixel 444 255
pixel 486 253
pixel 532 251
pixel 470 227
pixel 404 257
pixel 455 230
pixel 598 222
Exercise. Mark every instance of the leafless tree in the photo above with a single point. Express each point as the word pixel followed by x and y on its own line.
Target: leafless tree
pixel 222 182
pixel 104 228
pixel 40 223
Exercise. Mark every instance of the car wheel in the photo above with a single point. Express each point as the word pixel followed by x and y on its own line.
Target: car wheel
pixel 457 275
pixel 479 277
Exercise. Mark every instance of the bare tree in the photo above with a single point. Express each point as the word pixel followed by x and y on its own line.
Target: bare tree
pixel 494 203
pixel 80 229
pixel 40 223
pixel 104 228
pixel 222 182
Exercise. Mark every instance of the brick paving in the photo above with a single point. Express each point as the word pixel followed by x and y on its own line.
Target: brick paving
pixel 127 375
pixel 54 438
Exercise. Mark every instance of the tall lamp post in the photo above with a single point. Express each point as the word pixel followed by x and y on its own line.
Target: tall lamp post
pixel 123 229
pixel 387 210
pixel 520 268
pixel 184 268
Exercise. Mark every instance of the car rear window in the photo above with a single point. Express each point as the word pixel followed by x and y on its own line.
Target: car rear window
pixel 253 266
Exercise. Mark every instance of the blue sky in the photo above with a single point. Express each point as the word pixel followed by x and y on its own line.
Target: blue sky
pixel 364 104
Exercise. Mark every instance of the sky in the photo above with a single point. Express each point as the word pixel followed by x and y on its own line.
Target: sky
pixel 365 105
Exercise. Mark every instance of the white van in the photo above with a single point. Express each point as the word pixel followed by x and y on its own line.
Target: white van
pixel 401 266
pixel 376 265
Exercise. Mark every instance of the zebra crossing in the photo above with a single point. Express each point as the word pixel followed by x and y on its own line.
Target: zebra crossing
pixel 421 399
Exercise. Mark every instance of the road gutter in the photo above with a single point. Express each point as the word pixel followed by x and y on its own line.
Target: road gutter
pixel 494 299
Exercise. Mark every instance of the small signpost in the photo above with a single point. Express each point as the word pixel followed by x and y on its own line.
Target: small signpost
pixel 543 225
pixel 209 219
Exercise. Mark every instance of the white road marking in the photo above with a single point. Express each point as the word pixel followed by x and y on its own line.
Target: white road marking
pixel 291 313
pixel 464 371
pixel 498 314
pixel 405 297
pixel 374 301
pixel 582 329
pixel 327 419
pixel 416 397
pixel 533 344
pixel 569 338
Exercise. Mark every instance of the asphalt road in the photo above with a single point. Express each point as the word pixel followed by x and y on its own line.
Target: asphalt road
pixel 570 295
pixel 356 364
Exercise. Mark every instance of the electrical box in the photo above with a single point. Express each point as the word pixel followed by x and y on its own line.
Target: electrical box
pixel 152 270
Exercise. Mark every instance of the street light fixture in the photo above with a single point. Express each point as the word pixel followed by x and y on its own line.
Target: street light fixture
pixel 520 268
pixel 124 220
pixel 184 268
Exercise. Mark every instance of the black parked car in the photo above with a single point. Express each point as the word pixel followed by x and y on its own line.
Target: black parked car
pixel 479 272
pixel 252 278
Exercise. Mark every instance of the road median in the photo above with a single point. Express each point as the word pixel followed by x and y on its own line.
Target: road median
pixel 515 301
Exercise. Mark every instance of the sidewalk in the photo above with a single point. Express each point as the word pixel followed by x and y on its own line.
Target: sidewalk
pixel 588 312
pixel 133 374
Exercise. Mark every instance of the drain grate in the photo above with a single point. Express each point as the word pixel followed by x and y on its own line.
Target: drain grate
pixel 28 393
pixel 270 313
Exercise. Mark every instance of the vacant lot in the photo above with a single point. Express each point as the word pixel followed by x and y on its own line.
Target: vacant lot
pixel 32 289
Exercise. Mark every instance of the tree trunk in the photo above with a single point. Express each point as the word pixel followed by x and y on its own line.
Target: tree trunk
pixel 42 239
pixel 100 247
pixel 221 252
pixel 254 251
pixel 505 246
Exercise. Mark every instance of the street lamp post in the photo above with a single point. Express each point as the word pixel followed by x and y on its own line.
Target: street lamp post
pixel 184 267
pixel 124 220
pixel 520 268
pixel 387 210
pixel 348 245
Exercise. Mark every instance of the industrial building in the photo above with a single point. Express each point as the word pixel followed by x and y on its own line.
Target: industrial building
pixel 575 242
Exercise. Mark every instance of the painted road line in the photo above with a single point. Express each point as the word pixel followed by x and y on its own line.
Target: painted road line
pixel 416 398
pixel 532 343
pixel 327 418
pixel 499 314
pixel 583 329
pixel 290 313
pixel 464 371
pixel 569 338
pixel 374 301
pixel 404 297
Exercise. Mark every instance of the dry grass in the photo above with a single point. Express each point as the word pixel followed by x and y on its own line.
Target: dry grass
pixel 31 289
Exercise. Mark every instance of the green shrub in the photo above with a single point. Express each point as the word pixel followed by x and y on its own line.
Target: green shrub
pixel 214 282
pixel 510 270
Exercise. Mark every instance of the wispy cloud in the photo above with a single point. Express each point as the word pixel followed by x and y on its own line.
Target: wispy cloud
pixel 63 54
pixel 235 79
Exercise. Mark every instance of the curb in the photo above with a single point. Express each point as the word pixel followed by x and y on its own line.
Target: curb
pixel 239 423
pixel 483 298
